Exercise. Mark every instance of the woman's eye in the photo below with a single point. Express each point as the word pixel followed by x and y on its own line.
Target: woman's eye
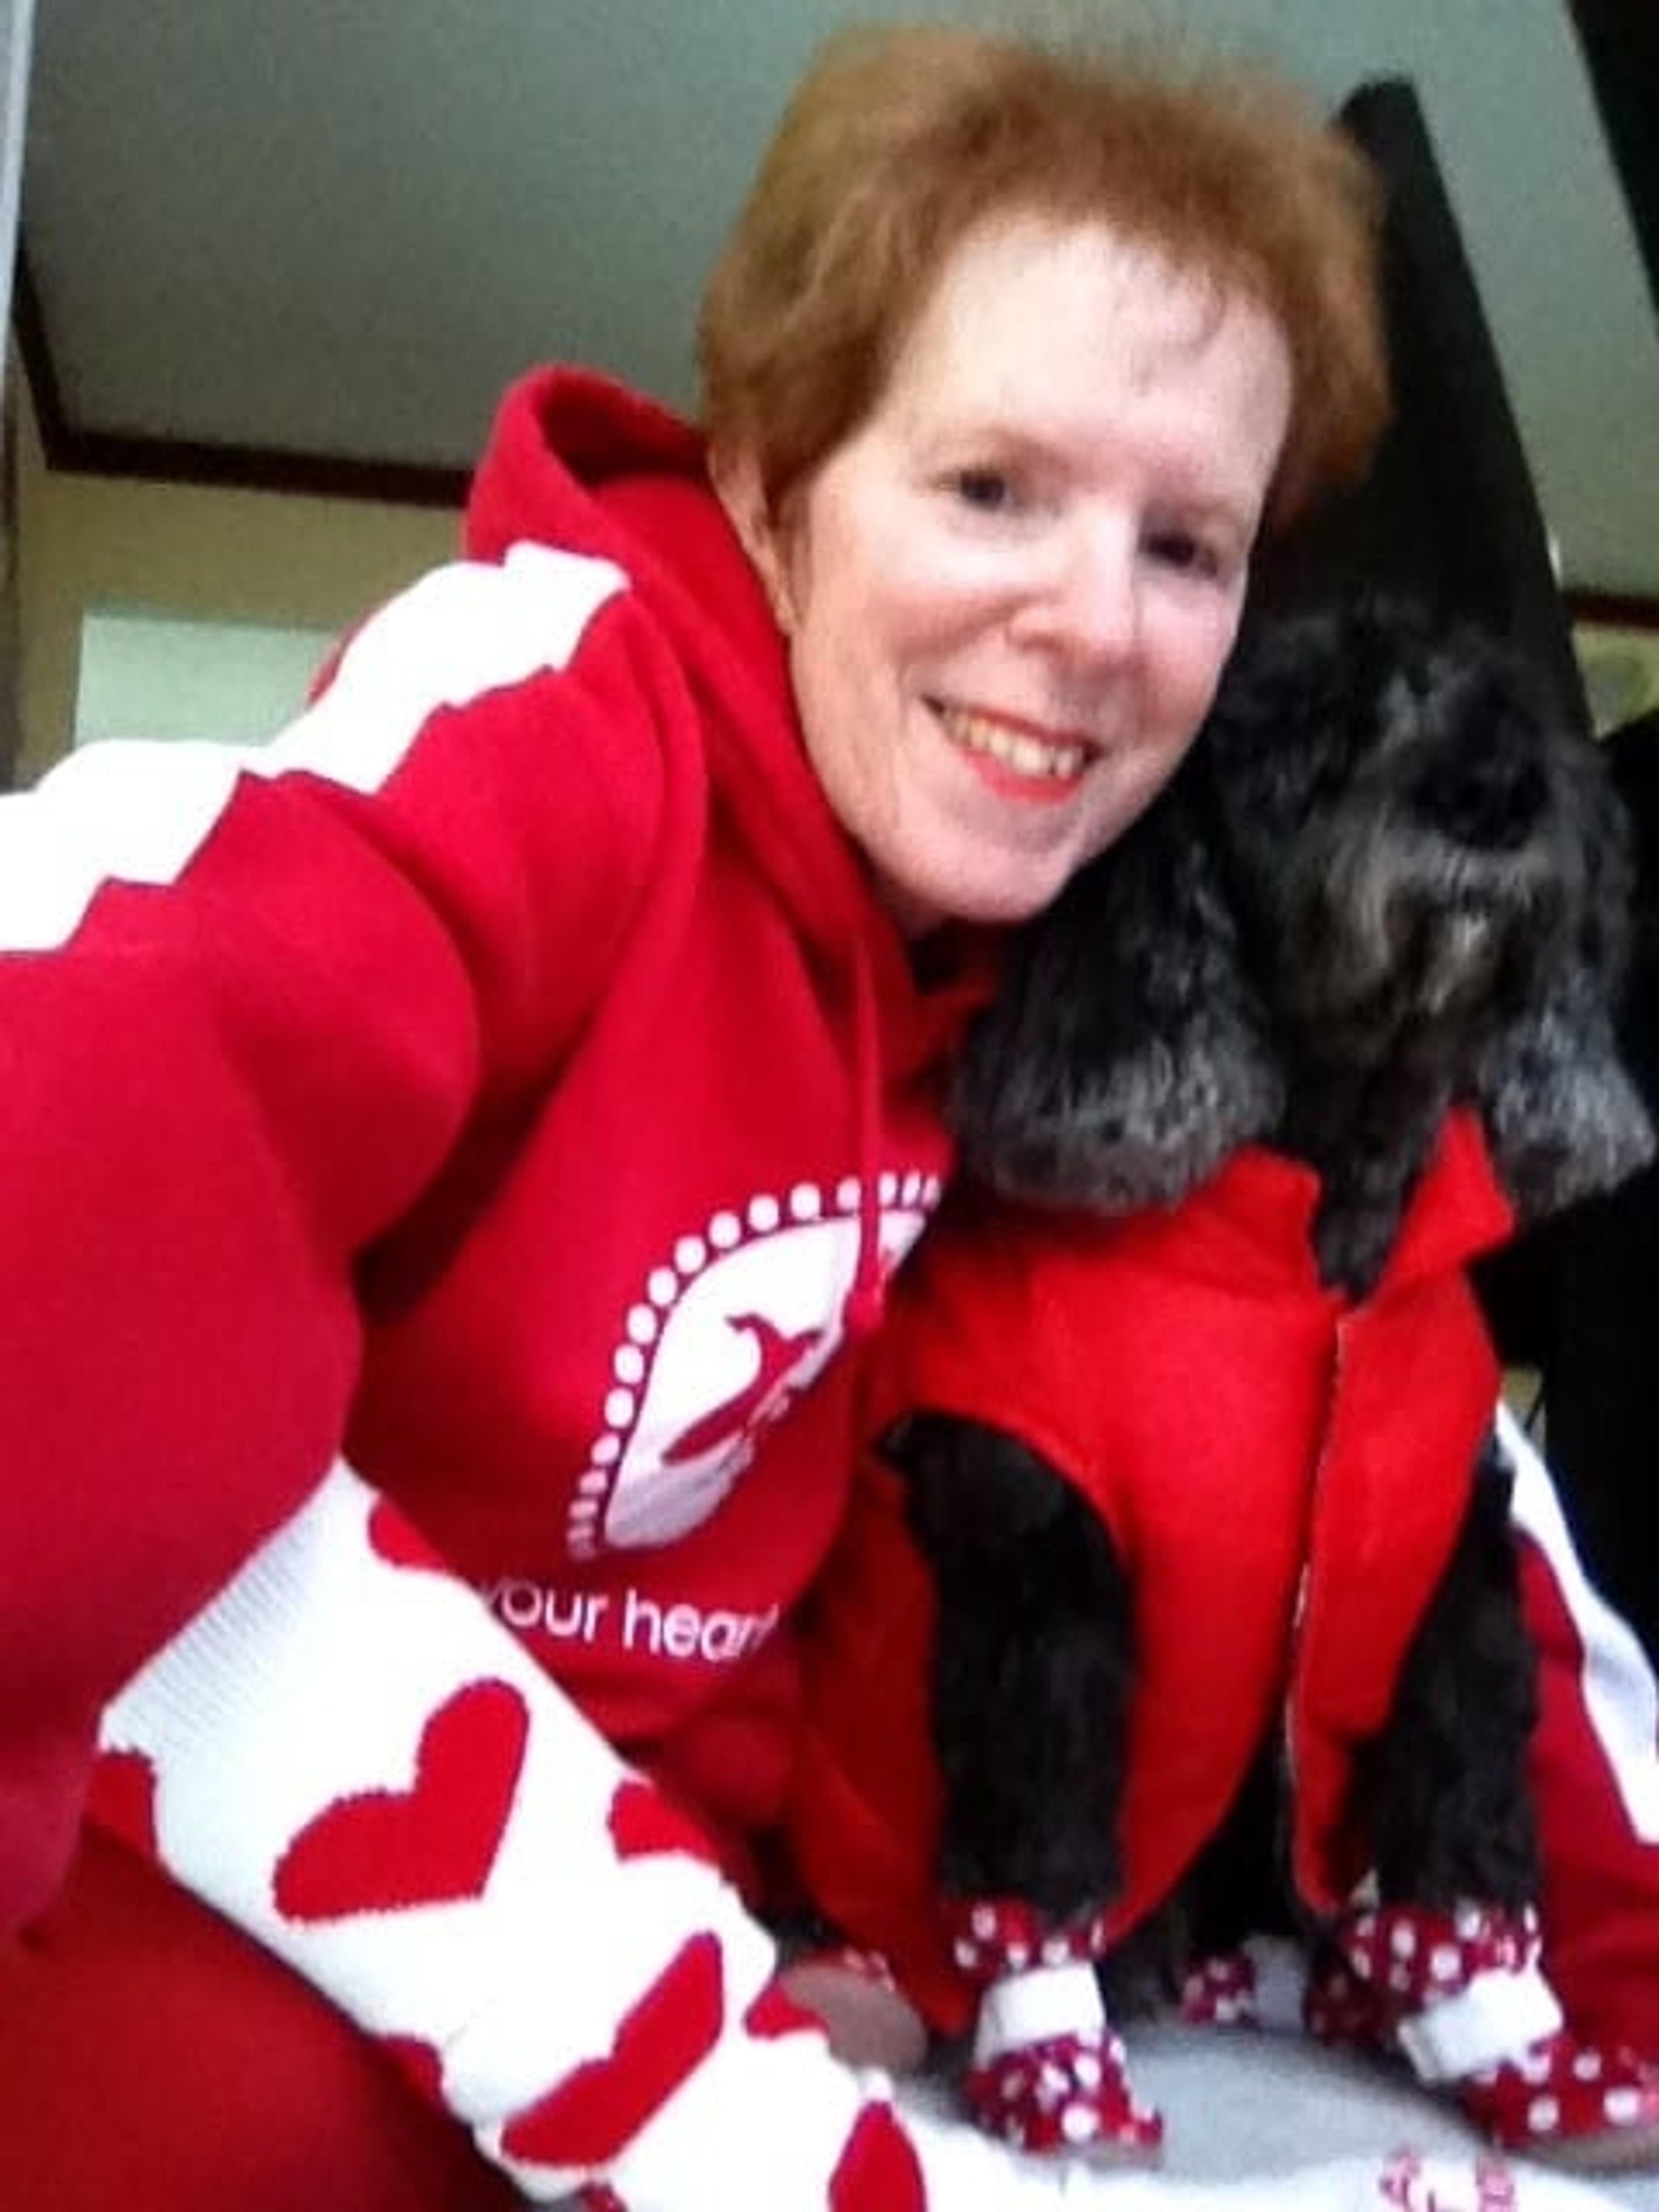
pixel 1186 552
pixel 987 489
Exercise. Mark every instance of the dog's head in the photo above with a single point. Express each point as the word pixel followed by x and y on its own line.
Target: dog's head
pixel 1391 875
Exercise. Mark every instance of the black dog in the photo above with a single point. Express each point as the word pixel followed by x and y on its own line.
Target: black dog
pixel 1365 952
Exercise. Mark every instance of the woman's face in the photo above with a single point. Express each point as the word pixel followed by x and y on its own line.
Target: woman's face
pixel 1010 592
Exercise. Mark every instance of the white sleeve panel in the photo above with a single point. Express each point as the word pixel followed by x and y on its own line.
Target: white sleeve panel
pixel 137 811
pixel 1620 1698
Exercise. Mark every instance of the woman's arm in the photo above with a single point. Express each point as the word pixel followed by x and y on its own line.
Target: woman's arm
pixel 247 1001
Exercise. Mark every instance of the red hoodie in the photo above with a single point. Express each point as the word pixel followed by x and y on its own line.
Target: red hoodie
pixel 508 1078
pixel 508 1070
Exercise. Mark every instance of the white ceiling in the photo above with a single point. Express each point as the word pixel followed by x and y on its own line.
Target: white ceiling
pixel 338 226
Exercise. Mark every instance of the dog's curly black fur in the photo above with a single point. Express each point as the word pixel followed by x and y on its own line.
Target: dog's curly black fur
pixel 1391 878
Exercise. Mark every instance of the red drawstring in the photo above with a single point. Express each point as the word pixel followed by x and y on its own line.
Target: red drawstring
pixel 861 1310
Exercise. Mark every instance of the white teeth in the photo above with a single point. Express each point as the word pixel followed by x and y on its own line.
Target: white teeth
pixel 1026 756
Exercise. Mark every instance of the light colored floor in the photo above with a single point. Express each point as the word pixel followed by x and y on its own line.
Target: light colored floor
pixel 1238 2103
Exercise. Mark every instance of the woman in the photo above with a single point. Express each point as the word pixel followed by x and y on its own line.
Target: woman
pixel 490 1111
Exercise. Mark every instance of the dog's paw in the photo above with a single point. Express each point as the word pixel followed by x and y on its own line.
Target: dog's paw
pixel 1570 2104
pixel 1067 2093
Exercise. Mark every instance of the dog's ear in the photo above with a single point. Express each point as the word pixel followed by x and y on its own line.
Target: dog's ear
pixel 1126 1052
pixel 1562 1117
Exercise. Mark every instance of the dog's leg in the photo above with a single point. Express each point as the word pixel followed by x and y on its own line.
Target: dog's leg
pixel 1235 1942
pixel 1446 1966
pixel 1031 1676
pixel 1443 1790
pixel 1031 1667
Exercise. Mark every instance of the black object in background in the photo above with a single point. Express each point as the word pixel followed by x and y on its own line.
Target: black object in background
pixel 1449 516
pixel 1620 41
pixel 1579 1299
pixel 1448 513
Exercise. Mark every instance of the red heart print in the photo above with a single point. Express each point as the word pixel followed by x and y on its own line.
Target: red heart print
pixel 398 1542
pixel 775 2014
pixel 878 2167
pixel 644 1825
pixel 123 1798
pixel 419 2062
pixel 386 1850
pixel 596 2112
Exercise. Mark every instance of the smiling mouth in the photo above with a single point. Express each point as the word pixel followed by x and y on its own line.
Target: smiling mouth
pixel 1019 749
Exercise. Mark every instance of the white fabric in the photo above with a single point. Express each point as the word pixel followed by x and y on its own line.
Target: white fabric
pixel 1620 1697
pixel 1039 2002
pixel 1494 2017
pixel 137 812
pixel 1281 1979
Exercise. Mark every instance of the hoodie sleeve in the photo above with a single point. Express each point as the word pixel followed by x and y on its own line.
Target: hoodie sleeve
pixel 247 1002
pixel 1594 1774
pixel 557 1960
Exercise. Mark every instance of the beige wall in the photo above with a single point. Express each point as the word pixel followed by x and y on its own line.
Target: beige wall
pixel 102 541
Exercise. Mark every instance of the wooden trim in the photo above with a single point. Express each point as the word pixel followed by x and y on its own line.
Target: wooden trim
pixel 35 353
pixel 1616 610
pixel 185 461
pixel 253 468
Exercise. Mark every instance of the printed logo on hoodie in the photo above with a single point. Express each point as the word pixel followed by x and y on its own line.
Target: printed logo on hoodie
pixel 734 1324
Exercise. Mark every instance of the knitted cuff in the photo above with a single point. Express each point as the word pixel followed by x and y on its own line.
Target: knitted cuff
pixel 1037 2005
pixel 350 1758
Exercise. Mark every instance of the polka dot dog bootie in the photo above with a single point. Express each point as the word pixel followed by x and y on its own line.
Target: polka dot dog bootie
pixel 1262 1985
pixel 1462 1996
pixel 1220 1991
pixel 1047 2071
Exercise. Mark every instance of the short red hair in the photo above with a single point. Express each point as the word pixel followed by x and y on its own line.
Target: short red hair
pixel 899 142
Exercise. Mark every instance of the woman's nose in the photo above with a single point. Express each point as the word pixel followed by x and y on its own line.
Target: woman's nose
pixel 1086 604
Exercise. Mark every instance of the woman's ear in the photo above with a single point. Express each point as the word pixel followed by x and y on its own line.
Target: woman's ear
pixel 740 486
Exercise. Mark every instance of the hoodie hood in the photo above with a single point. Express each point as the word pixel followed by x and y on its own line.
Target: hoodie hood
pixel 577 461
pixel 580 462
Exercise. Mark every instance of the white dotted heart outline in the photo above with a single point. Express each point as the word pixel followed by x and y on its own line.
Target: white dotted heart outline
pixel 915 1190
